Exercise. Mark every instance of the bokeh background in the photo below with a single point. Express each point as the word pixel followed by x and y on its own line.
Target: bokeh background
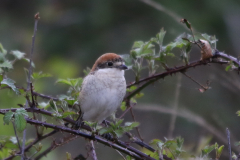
pixel 72 34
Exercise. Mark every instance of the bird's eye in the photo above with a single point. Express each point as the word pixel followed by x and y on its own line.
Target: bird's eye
pixel 110 64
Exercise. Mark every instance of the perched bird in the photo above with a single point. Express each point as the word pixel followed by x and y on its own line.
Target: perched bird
pixel 103 89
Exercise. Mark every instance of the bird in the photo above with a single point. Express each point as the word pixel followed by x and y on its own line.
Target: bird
pixel 103 89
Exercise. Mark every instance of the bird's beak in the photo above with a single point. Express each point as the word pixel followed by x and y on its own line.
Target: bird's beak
pixel 123 67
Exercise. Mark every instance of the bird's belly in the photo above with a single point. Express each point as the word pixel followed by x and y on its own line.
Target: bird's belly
pixel 101 104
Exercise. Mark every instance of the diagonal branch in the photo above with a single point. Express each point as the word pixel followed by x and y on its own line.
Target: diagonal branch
pixel 117 144
pixel 126 149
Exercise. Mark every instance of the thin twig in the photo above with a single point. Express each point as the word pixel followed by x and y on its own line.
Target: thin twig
pixel 50 148
pixel 175 107
pixel 136 127
pixel 120 154
pixel 123 114
pixel 205 88
pixel 181 69
pixel 36 17
pixel 16 136
pixel 54 145
pixel 229 144
pixel 93 151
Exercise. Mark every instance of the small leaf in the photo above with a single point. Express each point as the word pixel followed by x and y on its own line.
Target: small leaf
pixel 22 111
pixel 219 151
pixel 13 140
pixel 53 105
pixel 70 101
pixel 139 95
pixel 228 67
pixel 20 122
pixel 179 142
pixel 132 124
pixel 71 82
pixel 132 88
pixel 2 50
pixel 104 130
pixel 7 117
pixel 43 105
pixel 86 71
pixel 207 150
pixel 18 54
pixel 9 82
pixel 188 24
pixel 119 133
pixel 67 113
pixel 40 75
pixel 69 156
pixel 123 106
pixel 1 78
pixel 6 64
pixel 138 44
pixel 160 36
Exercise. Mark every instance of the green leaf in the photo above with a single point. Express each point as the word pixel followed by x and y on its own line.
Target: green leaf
pixel 123 106
pixel 228 67
pixel 207 150
pixel 40 75
pixel 13 140
pixel 132 124
pixel 53 105
pixel 2 50
pixel 105 130
pixel 43 105
pixel 7 117
pixel 119 133
pixel 87 71
pixel 139 95
pixel 71 82
pixel 6 64
pixel 179 142
pixel 138 44
pixel 20 122
pixel 18 54
pixel 22 111
pixel 9 82
pixel 2 58
pixel 188 24
pixel 67 113
pixel 64 81
pixel 128 157
pixel 1 78
pixel 70 101
pixel 132 88
pixel 219 151
pixel 160 36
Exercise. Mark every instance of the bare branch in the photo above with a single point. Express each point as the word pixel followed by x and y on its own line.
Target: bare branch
pixel 229 144
pixel 93 151
pixel 36 17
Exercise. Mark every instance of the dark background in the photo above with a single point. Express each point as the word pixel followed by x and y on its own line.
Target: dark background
pixel 73 34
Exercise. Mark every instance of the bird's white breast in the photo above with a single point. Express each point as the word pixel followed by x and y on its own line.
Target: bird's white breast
pixel 102 93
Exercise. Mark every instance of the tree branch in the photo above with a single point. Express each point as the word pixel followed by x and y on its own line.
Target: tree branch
pixel 119 145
